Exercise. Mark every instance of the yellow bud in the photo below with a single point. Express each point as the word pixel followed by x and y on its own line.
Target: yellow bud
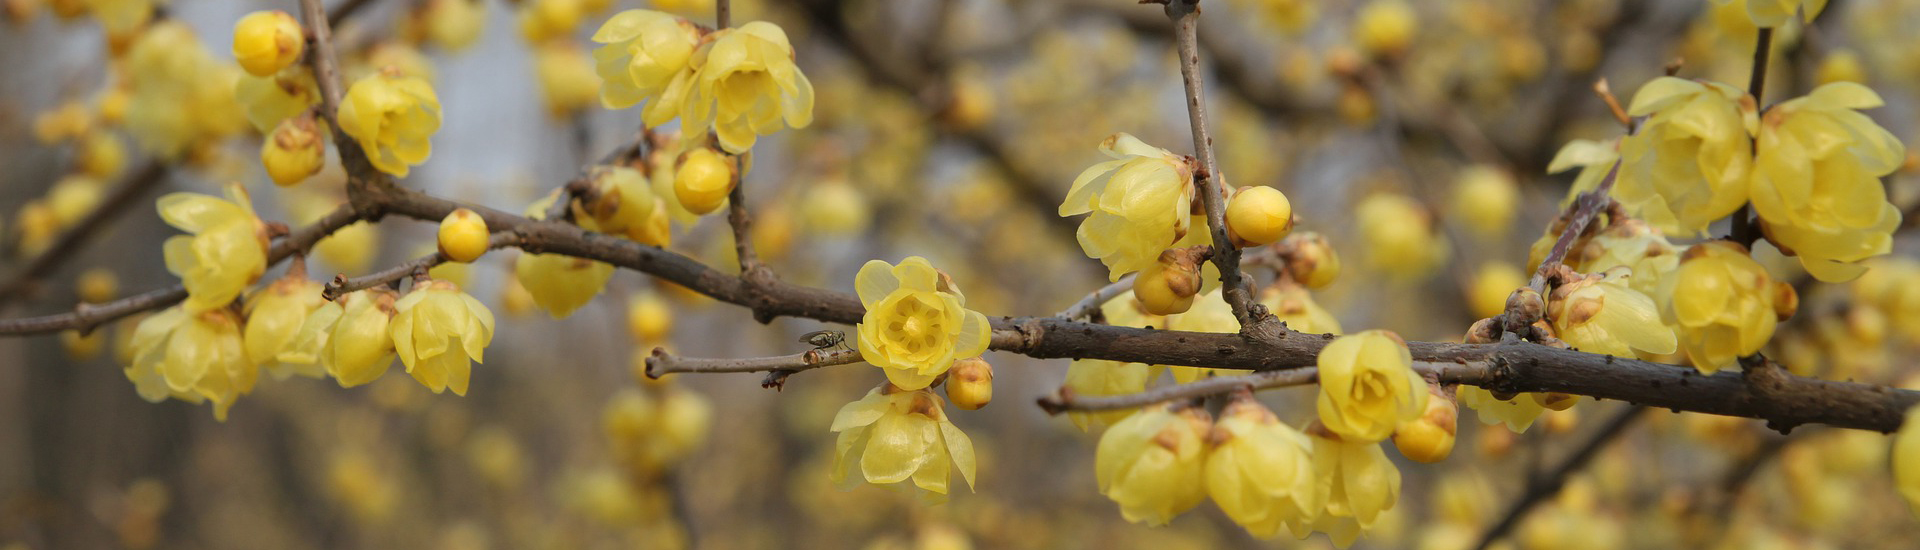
pixel 81 347
pixel 970 383
pixel 1491 286
pixel 972 103
pixel 35 227
pixel 1311 260
pixel 101 155
pixel 294 151
pixel 648 317
pixel 69 120
pixel 463 236
pixel 1485 198
pixel 1840 65
pixel 1170 286
pixel 266 41
pixel 703 180
pixel 1259 216
pixel 98 285
pixel 113 105
pixel 1384 28
pixel 1429 438
pixel 72 198
pixel 835 207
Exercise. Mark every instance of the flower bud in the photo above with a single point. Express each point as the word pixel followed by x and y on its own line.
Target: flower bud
pixel 1786 301
pixel 1311 260
pixel 82 347
pixel 98 285
pixel 703 180
pixel 1524 307
pixel 1430 437
pixel 1385 28
pixel 1170 286
pixel 1485 199
pixel 970 383
pixel 266 41
pixel 1258 216
pixel 649 319
pixel 463 236
pixel 1492 284
pixel 101 155
pixel 294 151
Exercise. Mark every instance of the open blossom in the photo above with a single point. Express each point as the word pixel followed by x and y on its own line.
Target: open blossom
pixel 1816 180
pixel 1722 304
pixel 227 251
pixel 892 435
pixel 349 336
pixel 439 332
pixel 1368 386
pixel 392 116
pixel 917 323
pixel 1092 377
pixel 1260 471
pixel 1604 315
pixel 1152 463
pixel 1140 203
pixel 642 52
pixel 558 283
pixel 1632 244
pixel 1357 482
pixel 1689 164
pixel 192 356
pixel 274 317
pixel 746 86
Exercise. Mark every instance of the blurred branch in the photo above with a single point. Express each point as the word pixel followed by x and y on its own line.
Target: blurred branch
pixel 1539 489
pixel 1237 290
pixel 69 244
pixel 87 316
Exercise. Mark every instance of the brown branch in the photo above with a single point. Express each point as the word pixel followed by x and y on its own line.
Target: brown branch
pixel 661 363
pixel 741 222
pixel 1065 400
pixel 87 316
pixel 1237 291
pixel 1585 209
pixel 69 244
pixel 1539 489
pixel 341 284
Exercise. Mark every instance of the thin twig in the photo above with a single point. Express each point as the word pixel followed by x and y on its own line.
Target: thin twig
pixel 1185 15
pixel 341 284
pixel 1538 490
pixel 1746 230
pixel 662 363
pixel 1585 208
pixel 1086 306
pixel 69 244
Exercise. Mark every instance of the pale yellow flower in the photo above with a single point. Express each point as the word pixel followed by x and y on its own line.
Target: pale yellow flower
pixel 439 332
pixel 1294 305
pixel 1400 236
pixel 1689 163
pixel 1140 203
pixel 1721 303
pixel 643 52
pixel 1517 414
pixel 746 86
pixel 193 356
pixel 1604 315
pixel 227 251
pixel 899 434
pixel 1906 459
pixel 1368 386
pixel 392 117
pixel 1816 183
pixel 350 337
pixel 1593 158
pixel 1152 464
pixel 1210 313
pixel 1260 471
pixel 274 317
pixel 1357 481
pixel 917 323
pixel 1775 13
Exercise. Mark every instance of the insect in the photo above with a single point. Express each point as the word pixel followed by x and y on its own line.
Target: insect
pixel 825 339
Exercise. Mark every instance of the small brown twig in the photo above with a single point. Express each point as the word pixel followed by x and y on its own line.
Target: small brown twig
pixel 341 284
pixel 1099 297
pixel 1746 229
pixel 663 363
pixel 1605 91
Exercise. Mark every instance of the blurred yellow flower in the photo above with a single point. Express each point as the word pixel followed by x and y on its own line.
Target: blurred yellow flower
pixel 1294 305
pixel 276 97
pixel 643 52
pixel 1689 163
pixel 1153 463
pixel 439 332
pixel 181 96
pixel 1260 471
pixel 393 117
pixel 917 323
pixel 1139 210
pixel 1906 459
pixel 1400 236
pixel 1775 13
pixel 227 251
pixel 1816 182
pixel 1368 386
pixel 746 86
pixel 899 434
pixel 1517 414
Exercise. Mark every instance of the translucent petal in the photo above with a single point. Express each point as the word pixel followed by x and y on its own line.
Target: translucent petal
pixel 896 450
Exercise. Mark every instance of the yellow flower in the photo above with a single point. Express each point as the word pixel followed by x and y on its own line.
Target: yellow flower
pixel 1775 13
pixel 267 41
pixel 1485 198
pixel 567 81
pixel 1492 283
pixel 1517 414
pixel 1138 211
pixel 1385 28
pixel 970 383
pixel 454 24
pixel 1604 315
pixel 192 356
pixel 1153 463
pixel 1356 479
pixel 1100 377
pixel 557 283
pixel 1293 305
pixel 181 96
pixel 1721 303
pixel 1400 236
pixel 1816 183
pixel 1906 459
pixel 121 18
pixel 293 151
pixel 746 86
pixel 899 434
pixel 1631 244
pixel 650 433
pixel 1594 158
pixel 1430 437
pixel 917 323
pixel 439 332
pixel 1689 164
pixel 1368 386
pixel 227 251
pixel 1311 260
pixel 274 317
pixel 392 116
pixel 1259 216
pixel 1260 471
pixel 349 337
pixel 703 179
pixel 644 51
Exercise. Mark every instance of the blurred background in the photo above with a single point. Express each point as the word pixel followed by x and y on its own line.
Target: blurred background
pixel 944 128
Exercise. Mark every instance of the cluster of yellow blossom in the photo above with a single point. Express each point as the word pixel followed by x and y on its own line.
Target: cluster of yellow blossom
pixel 917 323
pixel 182 98
pixel 894 434
pixel 652 429
pixel 1139 201
pixel 738 83
pixel 392 116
